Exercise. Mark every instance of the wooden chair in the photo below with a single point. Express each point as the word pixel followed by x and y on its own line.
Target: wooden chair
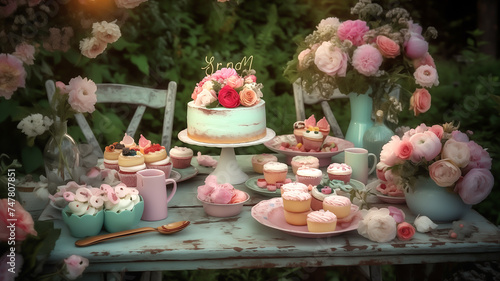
pixel 301 97
pixel 140 96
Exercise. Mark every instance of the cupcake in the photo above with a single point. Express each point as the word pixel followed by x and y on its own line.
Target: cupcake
pixel 258 161
pixel 155 157
pixel 309 176
pixel 296 201
pixel 181 157
pixel 339 205
pixel 294 186
pixel 299 128
pixel 312 139
pixel 323 127
pixel 295 218
pixel 130 162
pixel 339 171
pixel 319 193
pixel 321 221
pixel 275 172
pixel 308 161
pixel 111 153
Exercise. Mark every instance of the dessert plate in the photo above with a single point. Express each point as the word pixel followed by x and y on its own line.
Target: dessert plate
pixel 184 174
pixel 382 197
pixel 270 213
pixel 251 183
pixel 324 157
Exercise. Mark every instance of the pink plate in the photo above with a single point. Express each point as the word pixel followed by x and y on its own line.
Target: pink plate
pixel 372 186
pixel 270 213
pixel 324 157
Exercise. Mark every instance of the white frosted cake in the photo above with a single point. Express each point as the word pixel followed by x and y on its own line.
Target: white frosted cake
pixel 226 125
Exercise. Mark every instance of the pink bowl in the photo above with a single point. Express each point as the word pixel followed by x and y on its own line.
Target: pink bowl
pixel 223 210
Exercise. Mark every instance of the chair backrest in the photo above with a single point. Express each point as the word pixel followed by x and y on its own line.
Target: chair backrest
pixel 301 97
pixel 127 94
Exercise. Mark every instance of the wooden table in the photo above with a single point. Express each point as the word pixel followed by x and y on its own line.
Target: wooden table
pixel 242 242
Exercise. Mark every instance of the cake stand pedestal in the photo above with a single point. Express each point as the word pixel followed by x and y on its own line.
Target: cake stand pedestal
pixel 227 170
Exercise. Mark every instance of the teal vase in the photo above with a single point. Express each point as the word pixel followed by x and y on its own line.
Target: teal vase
pixel 378 135
pixel 361 117
pixel 440 204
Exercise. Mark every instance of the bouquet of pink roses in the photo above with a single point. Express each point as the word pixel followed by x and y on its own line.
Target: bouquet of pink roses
pixel 381 51
pixel 228 89
pixel 442 153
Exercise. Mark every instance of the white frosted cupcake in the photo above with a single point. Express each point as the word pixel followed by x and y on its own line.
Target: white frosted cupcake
pixel 294 186
pixel 275 172
pixel 309 176
pixel 339 171
pixel 181 157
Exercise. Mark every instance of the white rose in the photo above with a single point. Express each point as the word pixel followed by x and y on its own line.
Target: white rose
pixel 108 32
pixel 209 85
pixel 92 47
pixel 204 98
pixel 378 225
pixel 457 152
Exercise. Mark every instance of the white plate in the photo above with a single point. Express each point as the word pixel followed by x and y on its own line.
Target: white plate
pixel 270 213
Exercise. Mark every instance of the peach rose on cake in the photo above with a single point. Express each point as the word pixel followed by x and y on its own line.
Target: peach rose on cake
pixel 475 186
pixel 444 172
pixel 248 97
pixel 235 81
pixel 387 47
pixel 456 152
pixel 420 101
pixel 331 60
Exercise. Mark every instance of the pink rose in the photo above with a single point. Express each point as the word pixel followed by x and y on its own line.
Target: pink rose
pixel 377 225
pixel 82 97
pixel 397 214
pixel 425 145
pixel 331 60
pixel 475 186
pixel 420 101
pixel 13 75
pixel 228 97
pixel 248 97
pixel 352 31
pixel 128 4
pixel 426 76
pixel 197 90
pixel 456 152
pixel 405 231
pixel 387 47
pixel 479 157
pixel 24 222
pixel 204 98
pixel 425 60
pixel 235 81
pixel 74 266
pixel 388 154
pixel 404 150
pixel 301 57
pixel 367 60
pixel 438 130
pixel 444 172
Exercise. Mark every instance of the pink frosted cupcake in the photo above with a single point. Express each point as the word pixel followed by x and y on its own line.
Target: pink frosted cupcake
pixel 181 157
pixel 309 176
pixel 275 172
pixel 297 186
pixel 321 221
pixel 308 161
pixel 339 205
pixel 339 171
pixel 296 201
pixel 258 161
pixel 312 140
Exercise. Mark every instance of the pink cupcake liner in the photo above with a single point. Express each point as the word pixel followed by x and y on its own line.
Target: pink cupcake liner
pixel 111 166
pixel 167 169
pixel 129 179
pixel 308 180
pixel 274 177
pixel 316 204
pixel 181 163
pixel 312 145
pixel 345 178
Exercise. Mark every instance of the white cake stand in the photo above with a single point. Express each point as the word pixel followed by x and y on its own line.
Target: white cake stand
pixel 228 170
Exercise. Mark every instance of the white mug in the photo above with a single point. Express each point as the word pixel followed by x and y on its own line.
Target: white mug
pixel 357 158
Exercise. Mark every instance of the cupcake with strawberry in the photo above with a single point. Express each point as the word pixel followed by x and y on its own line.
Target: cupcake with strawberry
pixel 155 157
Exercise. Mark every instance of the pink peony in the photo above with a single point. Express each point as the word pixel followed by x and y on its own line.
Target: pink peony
pixel 444 173
pixel 224 73
pixel 420 101
pixel 331 60
pixel 74 266
pixel 82 97
pixel 475 186
pixel 367 60
pixel 424 60
pixel 404 150
pixel 12 75
pixel 456 152
pixel 426 145
pixel 388 154
pixel 426 76
pixel 24 224
pixel 25 52
pixel 352 31
pixel 479 157
pixel 387 47
pixel 438 130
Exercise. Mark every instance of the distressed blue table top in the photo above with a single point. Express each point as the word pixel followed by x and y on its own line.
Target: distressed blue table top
pixel 242 242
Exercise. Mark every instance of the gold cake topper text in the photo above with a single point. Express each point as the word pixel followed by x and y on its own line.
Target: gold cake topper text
pixel 212 67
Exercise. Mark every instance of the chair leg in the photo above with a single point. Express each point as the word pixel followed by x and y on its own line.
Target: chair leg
pixel 334 125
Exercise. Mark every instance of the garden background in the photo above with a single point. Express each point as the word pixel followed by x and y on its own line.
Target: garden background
pixel 169 40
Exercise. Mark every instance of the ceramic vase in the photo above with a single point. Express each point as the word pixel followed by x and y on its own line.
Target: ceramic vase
pixel 361 121
pixel 378 135
pixel 438 203
pixel 61 155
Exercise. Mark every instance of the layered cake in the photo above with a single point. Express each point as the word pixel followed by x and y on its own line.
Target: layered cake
pixel 227 108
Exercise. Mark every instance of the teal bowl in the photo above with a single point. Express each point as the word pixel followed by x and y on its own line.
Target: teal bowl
pixel 114 222
pixel 85 225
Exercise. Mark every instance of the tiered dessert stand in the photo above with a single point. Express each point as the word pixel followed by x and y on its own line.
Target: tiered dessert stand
pixel 228 170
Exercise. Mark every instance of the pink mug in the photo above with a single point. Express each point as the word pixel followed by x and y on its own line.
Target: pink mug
pixel 151 184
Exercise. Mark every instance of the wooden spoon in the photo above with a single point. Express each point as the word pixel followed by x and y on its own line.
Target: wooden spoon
pixel 164 229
